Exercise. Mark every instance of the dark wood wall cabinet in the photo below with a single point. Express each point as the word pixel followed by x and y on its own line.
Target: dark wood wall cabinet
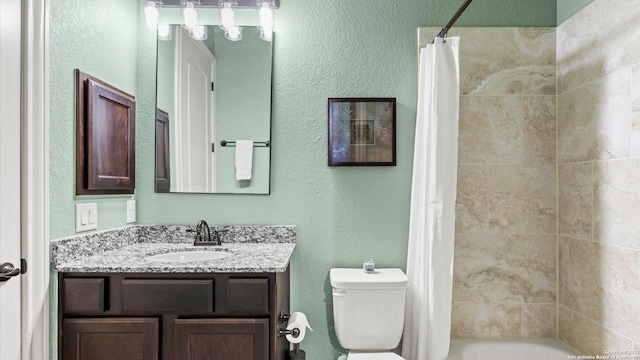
pixel 163 170
pixel 105 138
pixel 231 316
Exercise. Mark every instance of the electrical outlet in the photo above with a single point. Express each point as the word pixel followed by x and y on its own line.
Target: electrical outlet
pixel 131 211
pixel 86 216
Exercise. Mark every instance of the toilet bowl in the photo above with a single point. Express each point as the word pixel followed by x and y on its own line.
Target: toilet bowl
pixel 368 311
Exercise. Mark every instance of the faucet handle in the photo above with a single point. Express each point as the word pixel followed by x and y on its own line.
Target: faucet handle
pixel 216 236
pixel 198 232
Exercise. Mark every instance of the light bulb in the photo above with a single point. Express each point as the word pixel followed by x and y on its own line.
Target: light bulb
pixel 189 15
pixel 227 17
pixel 164 32
pixel 199 32
pixel 266 33
pixel 266 16
pixel 233 33
pixel 151 14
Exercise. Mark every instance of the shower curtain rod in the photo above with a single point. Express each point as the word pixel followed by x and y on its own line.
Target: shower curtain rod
pixel 453 20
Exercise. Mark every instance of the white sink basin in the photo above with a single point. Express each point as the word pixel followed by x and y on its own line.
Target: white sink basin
pixel 189 256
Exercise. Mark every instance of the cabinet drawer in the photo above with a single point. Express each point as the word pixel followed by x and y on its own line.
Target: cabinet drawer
pixel 248 296
pixel 83 295
pixel 167 296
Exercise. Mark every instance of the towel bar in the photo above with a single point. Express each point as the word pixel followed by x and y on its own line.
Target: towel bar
pixel 255 144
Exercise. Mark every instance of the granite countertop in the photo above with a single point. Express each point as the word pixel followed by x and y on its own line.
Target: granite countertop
pixel 253 249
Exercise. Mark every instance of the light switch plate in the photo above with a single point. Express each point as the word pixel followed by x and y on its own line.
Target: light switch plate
pixel 86 216
pixel 131 211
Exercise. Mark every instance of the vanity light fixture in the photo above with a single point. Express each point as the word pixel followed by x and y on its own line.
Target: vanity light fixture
pixel 191 22
pixel 227 16
pixel 151 13
pixel 164 32
pixel 189 14
pixel 265 18
pixel 199 32
pixel 233 33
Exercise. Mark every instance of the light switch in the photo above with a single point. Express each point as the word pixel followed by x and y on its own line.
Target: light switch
pixel 86 216
pixel 131 211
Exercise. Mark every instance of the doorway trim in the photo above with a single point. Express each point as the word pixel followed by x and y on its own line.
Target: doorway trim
pixel 35 179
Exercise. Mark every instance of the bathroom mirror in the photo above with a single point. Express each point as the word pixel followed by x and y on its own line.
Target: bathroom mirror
pixel 211 93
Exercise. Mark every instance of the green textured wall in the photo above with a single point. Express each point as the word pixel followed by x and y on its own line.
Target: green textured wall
pixel 567 8
pixel 323 48
pixel 99 38
pixel 332 48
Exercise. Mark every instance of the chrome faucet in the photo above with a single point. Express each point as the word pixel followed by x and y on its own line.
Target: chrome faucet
pixel 203 234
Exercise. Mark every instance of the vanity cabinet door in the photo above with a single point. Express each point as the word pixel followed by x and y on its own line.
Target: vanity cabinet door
pixel 111 338
pixel 221 339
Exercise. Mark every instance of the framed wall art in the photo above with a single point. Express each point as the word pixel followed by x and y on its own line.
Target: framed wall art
pixel 362 132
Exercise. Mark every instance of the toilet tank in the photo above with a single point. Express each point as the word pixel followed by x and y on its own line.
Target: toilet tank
pixel 368 308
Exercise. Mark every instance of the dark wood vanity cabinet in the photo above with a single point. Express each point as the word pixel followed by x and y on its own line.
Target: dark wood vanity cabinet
pixel 172 316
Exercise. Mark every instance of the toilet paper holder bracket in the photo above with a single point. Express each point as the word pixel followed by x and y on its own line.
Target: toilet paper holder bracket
pixel 284 317
pixel 295 332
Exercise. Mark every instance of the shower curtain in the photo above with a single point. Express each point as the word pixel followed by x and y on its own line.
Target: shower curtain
pixel 433 196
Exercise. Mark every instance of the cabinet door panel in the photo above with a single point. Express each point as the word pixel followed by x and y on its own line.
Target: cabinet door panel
pixel 221 339
pixel 110 338
pixel 105 138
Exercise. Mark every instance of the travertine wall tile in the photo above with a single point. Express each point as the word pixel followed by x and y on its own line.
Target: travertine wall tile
pixel 486 320
pixel 601 39
pixel 599 122
pixel 601 283
pixel 559 278
pixel 589 337
pixel 594 120
pixel 506 183
pixel 521 62
pixel 635 107
pixel 539 321
pixel 522 200
pixel 512 130
pixel 505 269
pixel 471 201
pixel 579 273
pixel 575 200
pixel 617 202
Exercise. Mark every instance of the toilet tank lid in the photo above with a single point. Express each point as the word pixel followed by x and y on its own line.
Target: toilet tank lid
pixel 358 279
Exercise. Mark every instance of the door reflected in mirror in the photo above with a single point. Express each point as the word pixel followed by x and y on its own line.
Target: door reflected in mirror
pixel 212 92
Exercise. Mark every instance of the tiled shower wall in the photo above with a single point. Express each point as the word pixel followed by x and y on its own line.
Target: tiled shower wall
pixel 599 177
pixel 506 248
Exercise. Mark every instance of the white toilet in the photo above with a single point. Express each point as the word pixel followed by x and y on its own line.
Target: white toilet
pixel 368 311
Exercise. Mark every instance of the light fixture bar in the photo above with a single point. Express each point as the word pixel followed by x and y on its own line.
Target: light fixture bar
pixel 216 3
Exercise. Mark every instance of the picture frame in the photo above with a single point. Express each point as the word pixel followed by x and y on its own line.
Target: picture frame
pixel 362 131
